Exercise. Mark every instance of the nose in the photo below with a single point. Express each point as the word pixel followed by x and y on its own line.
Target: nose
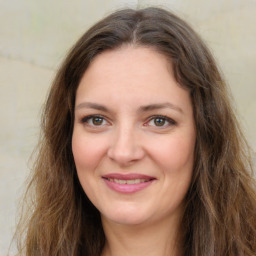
pixel 126 147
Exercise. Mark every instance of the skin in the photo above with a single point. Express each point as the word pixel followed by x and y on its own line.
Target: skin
pixel 130 88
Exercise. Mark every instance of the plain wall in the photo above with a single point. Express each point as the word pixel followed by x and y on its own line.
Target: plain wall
pixel 36 35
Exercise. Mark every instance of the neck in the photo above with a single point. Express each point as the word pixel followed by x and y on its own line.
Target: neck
pixel 156 239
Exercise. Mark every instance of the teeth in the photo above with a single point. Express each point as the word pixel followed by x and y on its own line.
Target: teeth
pixel 136 181
pixel 120 181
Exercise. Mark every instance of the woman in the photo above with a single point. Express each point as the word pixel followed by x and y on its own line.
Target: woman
pixel 140 151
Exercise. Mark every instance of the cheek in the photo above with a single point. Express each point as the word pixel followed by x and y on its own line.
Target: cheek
pixel 176 159
pixel 87 151
pixel 175 154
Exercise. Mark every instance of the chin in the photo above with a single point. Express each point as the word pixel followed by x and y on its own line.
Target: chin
pixel 126 216
pixel 127 220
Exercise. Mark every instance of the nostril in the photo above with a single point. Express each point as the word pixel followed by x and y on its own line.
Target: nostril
pixel 125 147
pixel 125 155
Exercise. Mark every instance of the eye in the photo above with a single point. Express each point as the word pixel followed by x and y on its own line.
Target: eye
pixel 160 121
pixel 94 120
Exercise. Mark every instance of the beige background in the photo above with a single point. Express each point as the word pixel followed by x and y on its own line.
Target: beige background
pixel 34 38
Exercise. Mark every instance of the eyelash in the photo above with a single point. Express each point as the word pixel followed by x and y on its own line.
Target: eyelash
pixel 86 119
pixel 167 119
pixel 170 121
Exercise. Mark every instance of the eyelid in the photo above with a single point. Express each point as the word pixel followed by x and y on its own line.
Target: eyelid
pixel 84 120
pixel 170 122
pixel 166 118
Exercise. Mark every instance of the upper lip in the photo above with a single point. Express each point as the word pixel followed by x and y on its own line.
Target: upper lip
pixel 127 176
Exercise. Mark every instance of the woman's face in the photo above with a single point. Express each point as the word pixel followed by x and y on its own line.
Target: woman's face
pixel 134 136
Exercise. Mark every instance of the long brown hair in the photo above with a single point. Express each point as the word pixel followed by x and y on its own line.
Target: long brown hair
pixel 220 213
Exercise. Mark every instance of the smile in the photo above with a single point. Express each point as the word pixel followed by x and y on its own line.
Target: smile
pixel 127 183
pixel 135 181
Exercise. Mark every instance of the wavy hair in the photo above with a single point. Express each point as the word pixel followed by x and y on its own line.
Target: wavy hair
pixel 220 205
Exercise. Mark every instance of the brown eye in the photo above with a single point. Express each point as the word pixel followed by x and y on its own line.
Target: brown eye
pixel 97 120
pixel 94 120
pixel 159 121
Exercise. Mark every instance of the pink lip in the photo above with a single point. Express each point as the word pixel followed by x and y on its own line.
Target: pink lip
pixel 128 176
pixel 127 188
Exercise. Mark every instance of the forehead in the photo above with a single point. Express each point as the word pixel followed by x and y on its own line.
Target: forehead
pixel 127 64
pixel 134 74
pixel 135 53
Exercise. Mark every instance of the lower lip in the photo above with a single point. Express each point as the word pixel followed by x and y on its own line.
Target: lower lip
pixel 127 188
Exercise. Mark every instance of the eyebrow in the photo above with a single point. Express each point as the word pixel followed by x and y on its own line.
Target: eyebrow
pixel 145 108
pixel 92 105
pixel 160 106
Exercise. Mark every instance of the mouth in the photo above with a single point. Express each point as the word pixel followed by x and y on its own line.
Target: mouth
pixel 128 183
